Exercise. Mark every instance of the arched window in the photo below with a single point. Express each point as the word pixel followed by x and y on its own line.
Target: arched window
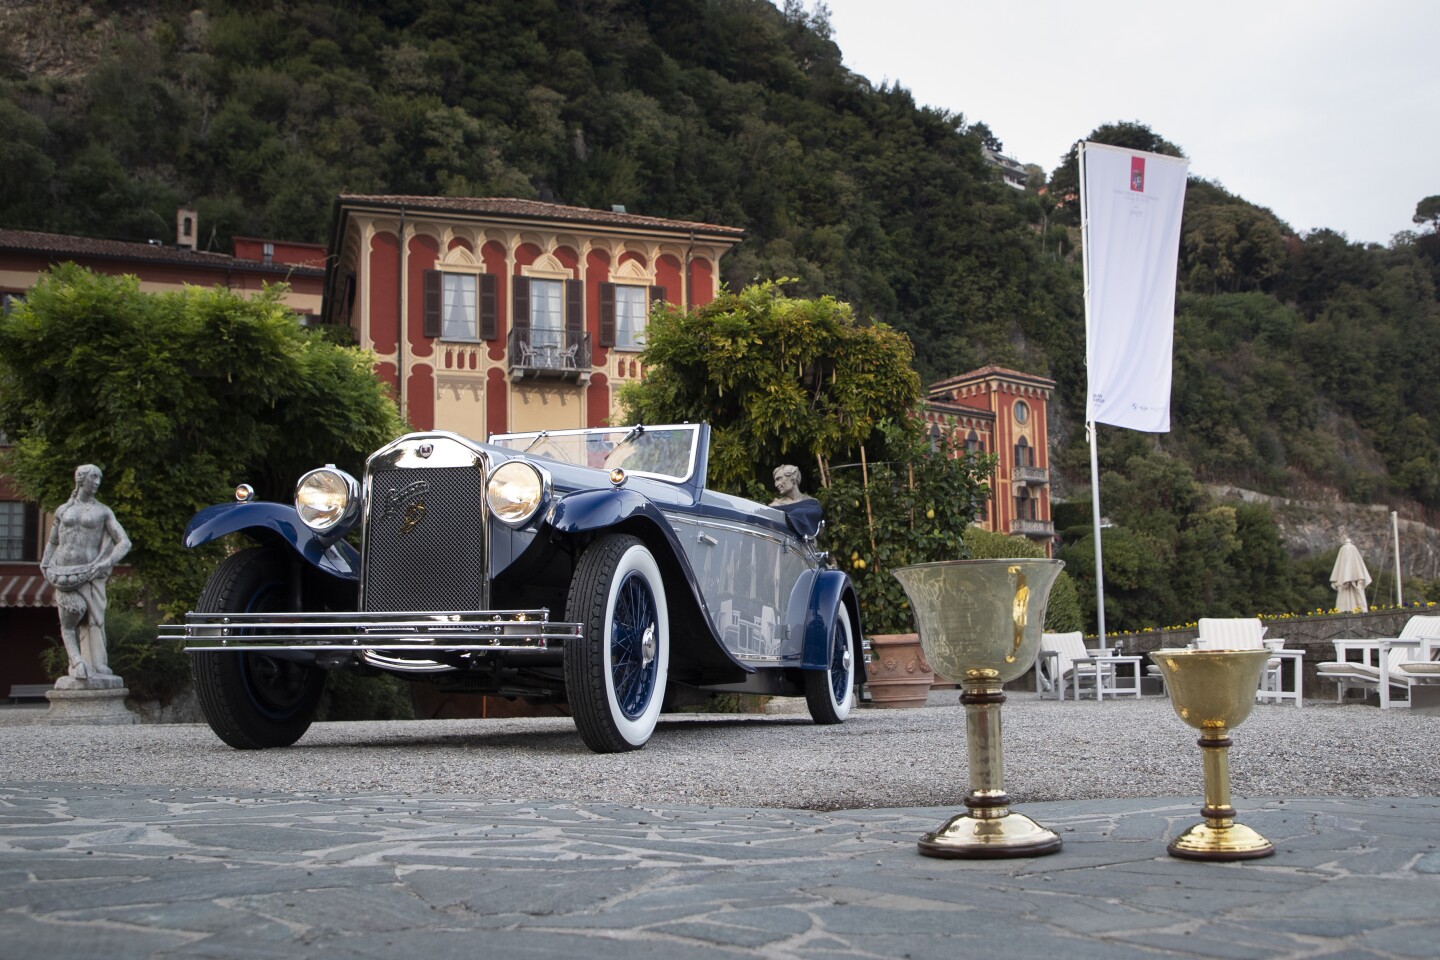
pixel 972 443
pixel 1024 454
pixel 1024 504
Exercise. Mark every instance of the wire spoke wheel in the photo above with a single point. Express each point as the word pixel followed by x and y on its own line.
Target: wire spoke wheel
pixel 615 674
pixel 830 693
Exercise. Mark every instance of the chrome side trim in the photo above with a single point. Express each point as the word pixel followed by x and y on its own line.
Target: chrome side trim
pixel 417 631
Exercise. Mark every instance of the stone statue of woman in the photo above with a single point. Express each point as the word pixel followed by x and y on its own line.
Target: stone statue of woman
pixel 86 541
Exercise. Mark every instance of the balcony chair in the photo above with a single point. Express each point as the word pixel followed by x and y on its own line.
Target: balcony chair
pixel 1407 662
pixel 1064 658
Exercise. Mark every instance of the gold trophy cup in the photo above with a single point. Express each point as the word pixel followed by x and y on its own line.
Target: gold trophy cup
pixel 980 623
pixel 1214 691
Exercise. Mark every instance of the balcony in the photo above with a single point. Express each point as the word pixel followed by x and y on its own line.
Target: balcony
pixel 1032 528
pixel 1032 476
pixel 549 355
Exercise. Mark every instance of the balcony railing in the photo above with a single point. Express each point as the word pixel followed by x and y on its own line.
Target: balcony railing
pixel 1032 528
pixel 1035 476
pixel 549 354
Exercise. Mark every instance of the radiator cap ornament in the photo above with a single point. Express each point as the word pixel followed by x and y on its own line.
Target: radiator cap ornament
pixel 425 449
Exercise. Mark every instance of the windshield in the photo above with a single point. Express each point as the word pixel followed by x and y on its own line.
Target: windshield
pixel 666 452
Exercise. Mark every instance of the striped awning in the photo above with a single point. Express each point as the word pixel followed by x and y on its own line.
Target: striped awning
pixel 20 590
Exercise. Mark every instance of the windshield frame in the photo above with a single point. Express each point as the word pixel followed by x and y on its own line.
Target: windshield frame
pixel 624 440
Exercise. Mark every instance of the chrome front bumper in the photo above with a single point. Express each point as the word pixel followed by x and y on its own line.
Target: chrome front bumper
pixel 405 633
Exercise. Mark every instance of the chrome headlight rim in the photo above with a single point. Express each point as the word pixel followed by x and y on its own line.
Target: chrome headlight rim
pixel 501 492
pixel 327 483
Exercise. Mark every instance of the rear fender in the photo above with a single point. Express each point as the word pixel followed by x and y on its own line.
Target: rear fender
pixel 267 522
pixel 832 589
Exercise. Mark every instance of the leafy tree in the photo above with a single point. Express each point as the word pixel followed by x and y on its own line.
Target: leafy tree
pixel 983 133
pixel 779 379
pixel 1427 211
pixel 1230 249
pixel 177 397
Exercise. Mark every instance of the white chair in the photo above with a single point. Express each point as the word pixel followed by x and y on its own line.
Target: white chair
pixel 1406 663
pixel 1247 633
pixel 1064 658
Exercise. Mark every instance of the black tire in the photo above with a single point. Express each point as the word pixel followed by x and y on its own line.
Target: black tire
pixel 615 674
pixel 253 700
pixel 830 693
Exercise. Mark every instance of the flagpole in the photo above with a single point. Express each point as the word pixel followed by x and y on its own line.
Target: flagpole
pixel 1092 431
pixel 1395 530
pixel 1091 428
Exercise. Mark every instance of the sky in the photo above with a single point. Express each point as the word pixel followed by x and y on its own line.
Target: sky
pixel 1325 111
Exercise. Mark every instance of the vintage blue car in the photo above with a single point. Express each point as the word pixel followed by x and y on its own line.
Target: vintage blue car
pixel 670 592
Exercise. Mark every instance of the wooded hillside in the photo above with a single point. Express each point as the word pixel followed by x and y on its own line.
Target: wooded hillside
pixel 1304 364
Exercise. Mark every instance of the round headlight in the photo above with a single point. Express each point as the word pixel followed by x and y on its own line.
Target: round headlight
pixel 325 497
pixel 515 491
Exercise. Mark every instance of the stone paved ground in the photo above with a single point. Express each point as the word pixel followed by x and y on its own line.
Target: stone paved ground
pixel 119 873
pixel 740 837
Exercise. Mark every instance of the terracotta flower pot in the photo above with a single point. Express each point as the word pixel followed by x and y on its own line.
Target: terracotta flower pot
pixel 898 674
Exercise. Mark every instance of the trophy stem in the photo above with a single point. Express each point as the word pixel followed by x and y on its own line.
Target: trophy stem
pixel 1216 754
pixel 1219 837
pixel 988 828
pixel 987 796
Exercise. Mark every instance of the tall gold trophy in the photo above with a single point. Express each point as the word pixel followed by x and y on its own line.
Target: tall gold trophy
pixel 980 623
pixel 1214 691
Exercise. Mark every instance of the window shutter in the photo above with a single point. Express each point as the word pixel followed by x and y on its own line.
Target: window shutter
pixel 607 314
pixel 30 549
pixel 433 300
pixel 657 295
pixel 489 306
pixel 520 300
pixel 575 307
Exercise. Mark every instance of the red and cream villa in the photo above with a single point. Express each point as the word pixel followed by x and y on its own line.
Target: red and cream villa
pixel 492 315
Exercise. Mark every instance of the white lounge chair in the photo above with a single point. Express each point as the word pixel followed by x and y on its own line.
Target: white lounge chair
pixel 1402 663
pixel 1064 659
pixel 1247 633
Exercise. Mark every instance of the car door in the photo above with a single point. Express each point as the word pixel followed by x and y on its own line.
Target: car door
pixel 750 574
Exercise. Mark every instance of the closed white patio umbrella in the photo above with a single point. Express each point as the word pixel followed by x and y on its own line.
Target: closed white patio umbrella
pixel 1350 578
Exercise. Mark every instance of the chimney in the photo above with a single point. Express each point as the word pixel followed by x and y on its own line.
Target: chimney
pixel 185 228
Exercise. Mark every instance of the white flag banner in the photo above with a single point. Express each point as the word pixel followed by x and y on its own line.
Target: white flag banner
pixel 1130 207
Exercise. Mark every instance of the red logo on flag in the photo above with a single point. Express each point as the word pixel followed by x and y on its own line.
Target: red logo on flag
pixel 1137 174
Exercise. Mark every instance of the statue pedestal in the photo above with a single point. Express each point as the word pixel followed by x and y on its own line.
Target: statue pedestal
pixel 97 701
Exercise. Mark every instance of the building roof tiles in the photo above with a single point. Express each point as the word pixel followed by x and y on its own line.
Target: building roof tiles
pixel 56 244
pixel 535 210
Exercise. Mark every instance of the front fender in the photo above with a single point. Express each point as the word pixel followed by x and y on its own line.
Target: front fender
pixel 832 588
pixel 589 510
pixel 265 521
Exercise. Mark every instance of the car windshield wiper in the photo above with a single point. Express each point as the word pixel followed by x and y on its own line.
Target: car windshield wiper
pixel 538 437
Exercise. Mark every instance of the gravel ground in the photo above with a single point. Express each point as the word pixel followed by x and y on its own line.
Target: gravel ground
pixel 878 758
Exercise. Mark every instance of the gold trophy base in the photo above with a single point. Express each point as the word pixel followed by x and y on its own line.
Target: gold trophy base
pixel 969 837
pixel 1230 841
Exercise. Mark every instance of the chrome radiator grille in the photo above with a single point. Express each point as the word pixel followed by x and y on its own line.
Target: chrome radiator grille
pixel 425 539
